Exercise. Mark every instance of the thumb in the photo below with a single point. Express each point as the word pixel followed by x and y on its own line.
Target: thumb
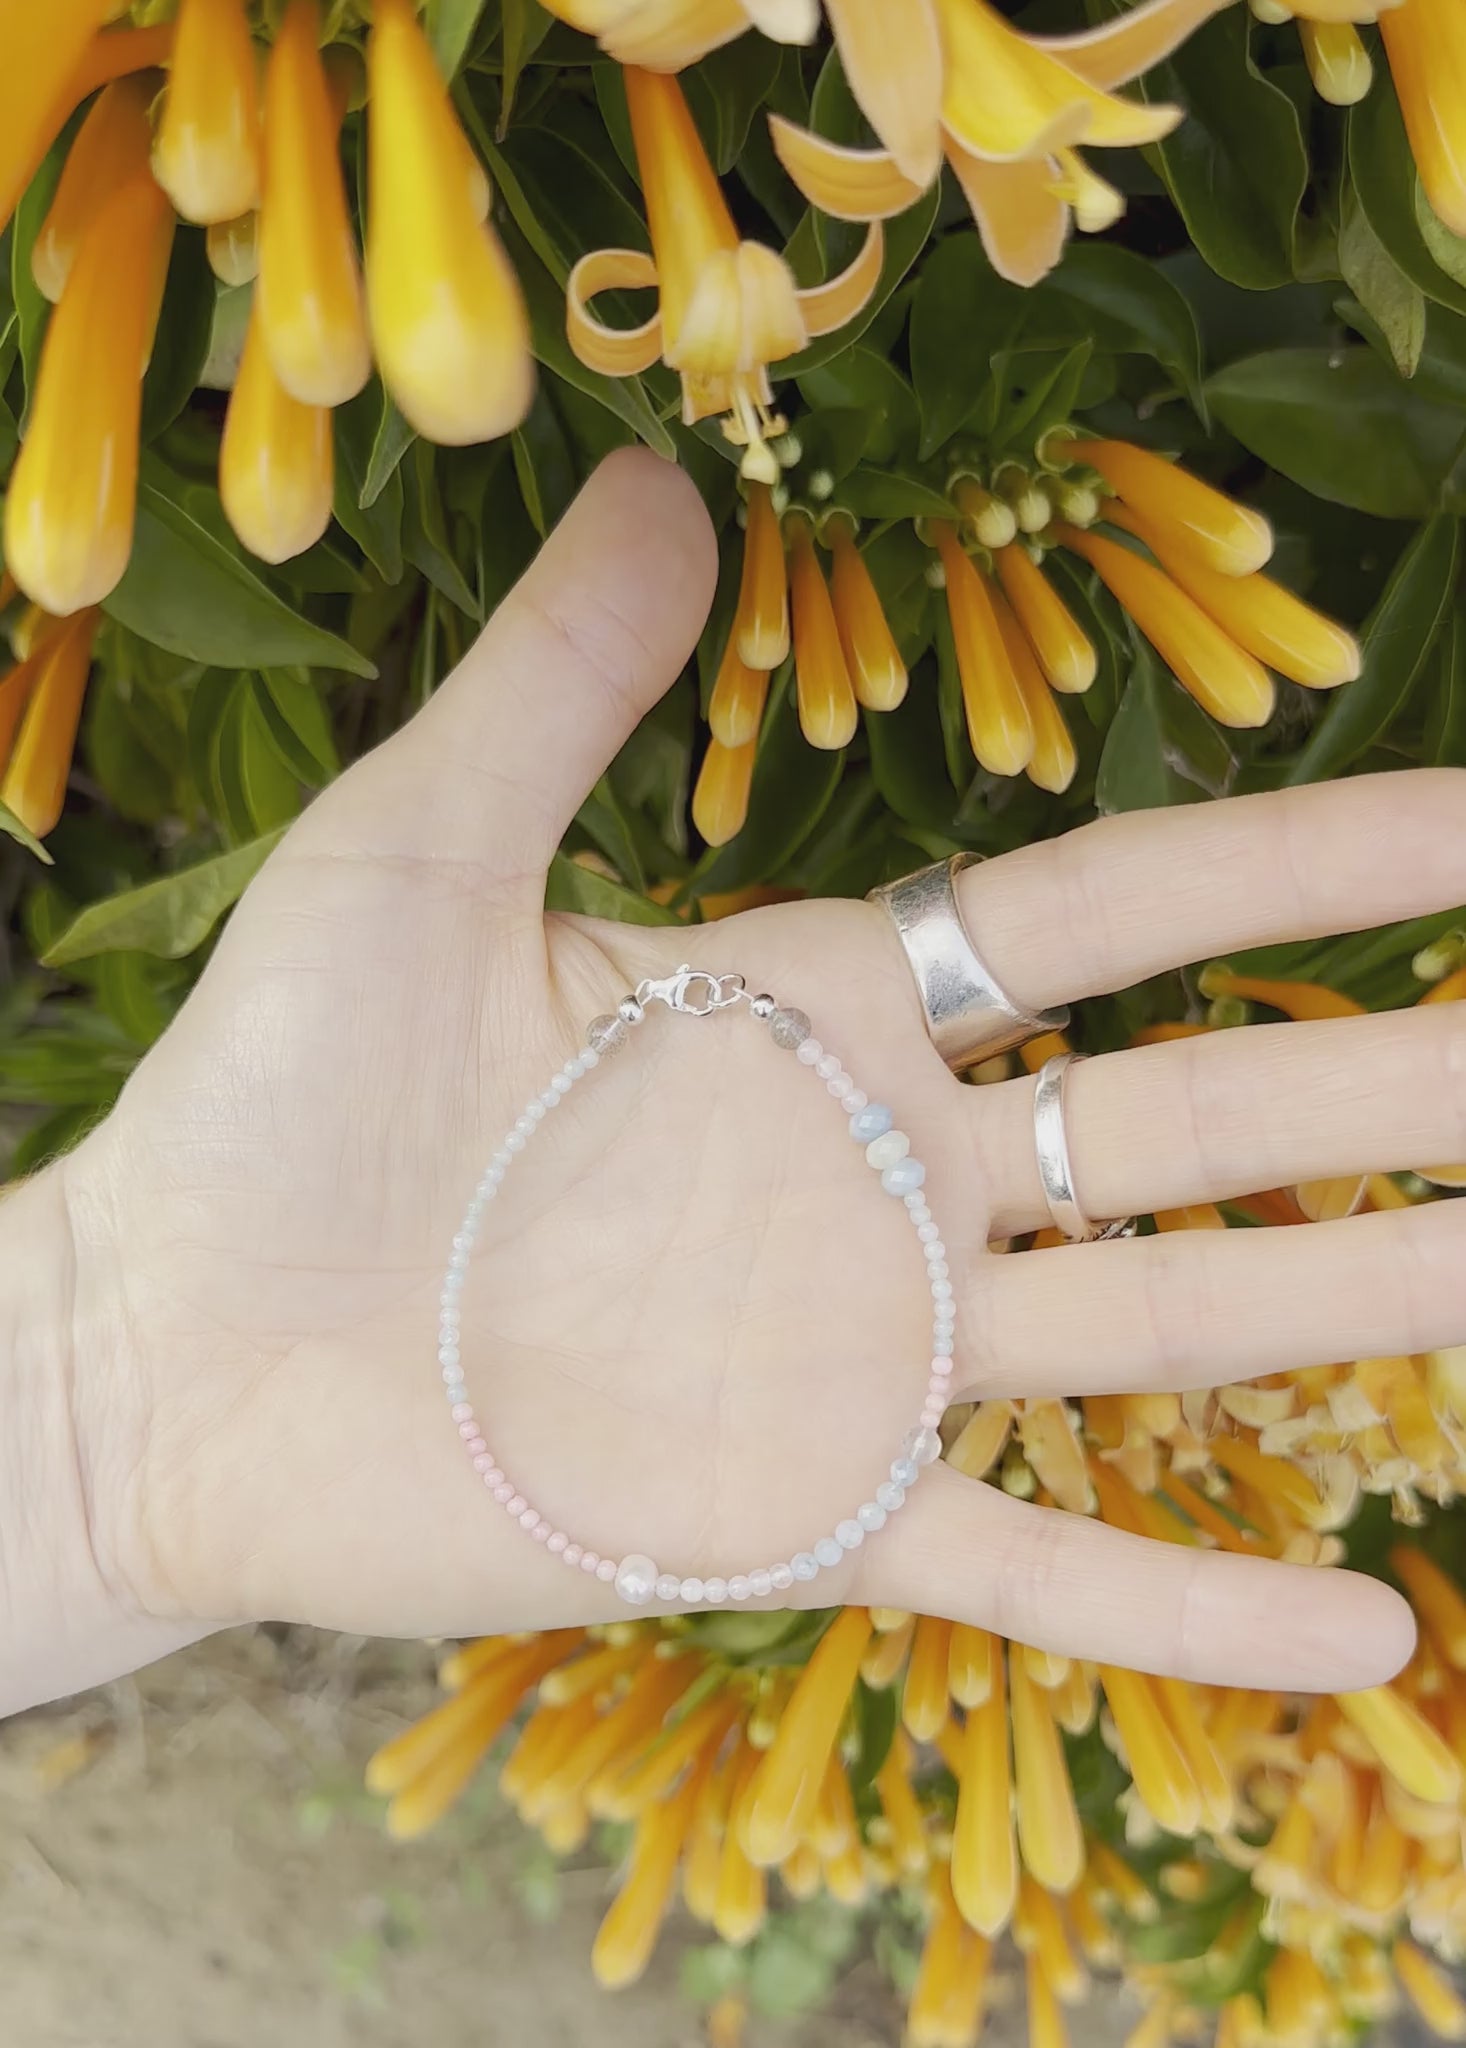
pixel 494 768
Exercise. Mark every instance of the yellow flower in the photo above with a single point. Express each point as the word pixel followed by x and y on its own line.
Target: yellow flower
pixel 207 155
pixel 1229 538
pixel 984 1845
pixel 276 462
pixel 877 672
pixel 70 507
pixel 1425 41
pixel 110 147
pixel 1430 1991
pixel 999 724
pixel 1049 1834
pixel 448 320
pixel 42 47
pixel 1406 1744
pixel 720 800
pixel 1008 111
pixel 786 1787
pixel 628 1934
pixel 727 308
pixel 1064 651
pixel 827 709
pixel 40 711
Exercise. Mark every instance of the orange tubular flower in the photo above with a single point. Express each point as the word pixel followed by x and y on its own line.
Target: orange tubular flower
pixel 998 720
pixel 1230 538
pixel 310 289
pixel 1064 651
pixel 876 669
pixel 43 47
pixel 628 1934
pixel 34 782
pixel 111 146
pixel 1054 758
pixel 276 462
pixel 1425 41
pixel 234 249
pixel 207 156
pixel 720 800
pixel 727 308
pixel 1261 616
pixel 827 708
pixel 1226 681
pixel 736 706
pixel 984 1846
pixel 761 622
pixel 785 1789
pixel 1006 109
pixel 71 505
pixel 1337 61
pixel 448 318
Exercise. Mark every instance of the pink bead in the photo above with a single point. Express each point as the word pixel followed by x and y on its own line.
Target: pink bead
pixel 557 1542
pixel 477 1448
pixel 503 1491
pixel 541 1531
pixel 589 1560
pixel 941 1368
pixel 469 1428
pixel 932 1414
pixel 516 1504
pixel 461 1411
pixel 572 1554
pixel 529 1518
pixel 483 1463
pixel 606 1570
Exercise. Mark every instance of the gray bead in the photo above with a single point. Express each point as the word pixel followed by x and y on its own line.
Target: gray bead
pixel 606 1035
pixel 763 1007
pixel 870 1123
pixel 789 1028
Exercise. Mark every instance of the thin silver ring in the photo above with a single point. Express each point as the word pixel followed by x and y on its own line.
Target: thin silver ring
pixel 1055 1171
pixel 969 1015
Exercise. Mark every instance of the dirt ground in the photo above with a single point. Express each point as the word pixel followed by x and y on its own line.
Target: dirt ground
pixel 187 1861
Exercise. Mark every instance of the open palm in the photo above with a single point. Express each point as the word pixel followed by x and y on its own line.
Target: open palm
pixel 694 1326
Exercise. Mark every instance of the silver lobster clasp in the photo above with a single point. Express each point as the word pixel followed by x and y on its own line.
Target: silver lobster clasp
pixel 692 992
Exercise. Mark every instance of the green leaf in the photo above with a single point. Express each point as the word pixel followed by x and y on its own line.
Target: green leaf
pixel 876 1715
pixel 867 384
pixel 1133 307
pixel 32 307
pixel 294 708
pixel 392 440
pixel 961 315
pixel 1393 302
pixel 11 826
pixel 1040 392
pixel 1237 166
pixel 544 465
pixel 577 888
pixel 906 237
pixel 373 518
pixel 1386 187
pixel 1343 425
pixel 884 494
pixel 451 24
pixel 185 591
pixel 792 785
pixel 185 333
pixel 1162 748
pixel 603 820
pixel 526 24
pixel 1446 734
pixel 167 918
pixel 1397 641
pixel 425 540
pixel 728 90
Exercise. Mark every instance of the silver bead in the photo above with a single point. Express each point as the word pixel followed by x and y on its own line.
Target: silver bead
pixel 606 1035
pixel 763 1007
pixel 629 1010
pixel 789 1029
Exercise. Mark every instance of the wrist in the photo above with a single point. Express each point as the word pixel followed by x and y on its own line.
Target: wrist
pixel 72 1437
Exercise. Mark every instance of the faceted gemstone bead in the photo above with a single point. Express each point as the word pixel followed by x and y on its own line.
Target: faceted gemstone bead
pixel 903 1177
pixel 606 1035
pixel 886 1150
pixel 870 1123
pixel 923 1447
pixel 789 1028
pixel 804 1564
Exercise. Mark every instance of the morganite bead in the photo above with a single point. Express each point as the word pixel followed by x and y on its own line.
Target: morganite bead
pixel 557 1543
pixel 606 1571
pixel 828 1552
pixel 503 1491
pixel 804 1565
pixel 483 1462
pixel 922 1446
pixel 850 1533
pixel 605 1035
pixel 885 1150
pixel 571 1554
pixel 789 1029
pixel 477 1448
pixel 516 1504
pixel 636 1578
pixel 529 1517
pixel 941 1368
pixel 669 1587
pixel 905 1175
pixel 871 1122
pixel 542 1530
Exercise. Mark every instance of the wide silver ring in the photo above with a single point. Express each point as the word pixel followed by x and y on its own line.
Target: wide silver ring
pixel 1057 1175
pixel 969 1016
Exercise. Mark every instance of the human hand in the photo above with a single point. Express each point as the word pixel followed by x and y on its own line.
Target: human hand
pixel 690 1327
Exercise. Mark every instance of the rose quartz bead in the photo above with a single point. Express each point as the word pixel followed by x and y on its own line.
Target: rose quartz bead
pixel 482 1462
pixel 606 1570
pixel 468 1429
pixel 556 1542
pixel 494 1476
pixel 589 1560
pixel 541 1531
pixel 516 1504
pixel 529 1518
pixel 571 1554
pixel 503 1493
pixel 477 1448
pixel 941 1368
pixel 461 1411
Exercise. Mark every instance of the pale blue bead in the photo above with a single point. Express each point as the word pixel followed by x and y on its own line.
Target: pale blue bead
pixel 871 1516
pixel 905 1473
pixel 871 1122
pixel 903 1177
pixel 890 1496
pixel 804 1564
pixel 943 1344
pixel 850 1534
pixel 828 1551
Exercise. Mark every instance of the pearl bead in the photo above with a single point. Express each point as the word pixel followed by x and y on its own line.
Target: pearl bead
pixel 905 1473
pixel 762 1583
pixel 781 1577
pixel 922 1446
pixel 636 1578
pixel 871 1516
pixel 804 1565
pixel 739 1587
pixel 890 1496
pixel 606 1571
pixel 809 1052
pixel 691 1591
pixel 904 1175
pixel 669 1586
pixel 869 1122
pixel 887 1149
pixel 715 1591
pixel 828 1551
pixel 850 1533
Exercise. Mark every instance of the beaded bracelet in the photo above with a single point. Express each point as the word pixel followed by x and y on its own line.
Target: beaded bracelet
pixel 691 993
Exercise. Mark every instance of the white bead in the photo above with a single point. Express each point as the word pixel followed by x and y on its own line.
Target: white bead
pixel 669 1587
pixel 535 1111
pixel 922 1446
pixel 561 1085
pixel 636 1579
pixel 905 1473
pixel 941 1290
pixel 850 1533
pixel 587 1059
pixel 524 1126
pixel 606 1571
pixel 890 1496
pixel 871 1516
pixel 452 1372
pixel 762 1583
pixel 463 1241
pixel 550 1099
pixel 514 1142
pixel 809 1053
pixel 870 1120
pixel 500 1161
pixel 691 1591
pixel 739 1587
pixel 828 1551
pixel 452 1285
pixel 885 1150
pixel 927 1232
pixel 837 1085
pixel 571 1554
pixel 715 1591
pixel 804 1565
pixel 781 1577
pixel 917 1209
pixel 827 1066
pixel 853 1099
pixel 449 1354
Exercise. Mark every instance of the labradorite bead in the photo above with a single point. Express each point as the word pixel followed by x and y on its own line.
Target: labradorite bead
pixel 789 1029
